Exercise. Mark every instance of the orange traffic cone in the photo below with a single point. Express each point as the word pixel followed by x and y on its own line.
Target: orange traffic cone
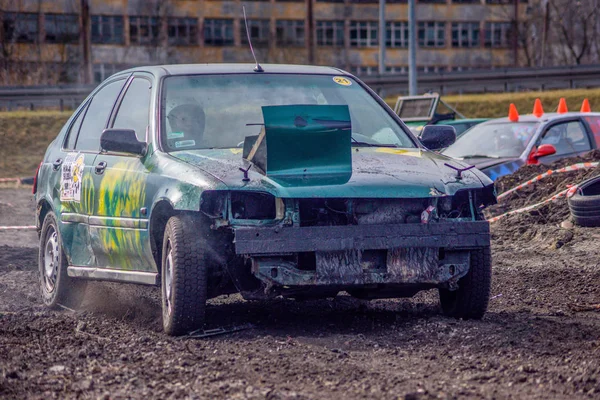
pixel 585 106
pixel 562 106
pixel 513 114
pixel 538 110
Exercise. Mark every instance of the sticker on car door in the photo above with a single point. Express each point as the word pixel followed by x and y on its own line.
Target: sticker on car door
pixel 71 176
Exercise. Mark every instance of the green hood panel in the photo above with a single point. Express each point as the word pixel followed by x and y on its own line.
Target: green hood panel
pixel 376 173
pixel 308 141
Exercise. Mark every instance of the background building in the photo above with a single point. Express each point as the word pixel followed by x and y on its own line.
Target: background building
pixel 43 42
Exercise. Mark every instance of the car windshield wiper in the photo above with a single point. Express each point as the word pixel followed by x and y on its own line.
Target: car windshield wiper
pixel 479 156
pixel 359 143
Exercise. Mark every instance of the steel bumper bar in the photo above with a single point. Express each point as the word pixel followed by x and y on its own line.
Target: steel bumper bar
pixel 277 240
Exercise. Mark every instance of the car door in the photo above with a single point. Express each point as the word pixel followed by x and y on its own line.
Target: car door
pixel 75 187
pixel 119 227
pixel 569 137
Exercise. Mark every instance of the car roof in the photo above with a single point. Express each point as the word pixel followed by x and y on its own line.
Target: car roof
pixel 216 68
pixel 547 117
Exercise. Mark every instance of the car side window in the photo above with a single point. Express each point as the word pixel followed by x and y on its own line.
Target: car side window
pixel 594 123
pixel 97 115
pixel 134 111
pixel 74 129
pixel 567 137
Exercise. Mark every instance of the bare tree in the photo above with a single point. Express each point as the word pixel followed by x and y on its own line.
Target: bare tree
pixel 575 23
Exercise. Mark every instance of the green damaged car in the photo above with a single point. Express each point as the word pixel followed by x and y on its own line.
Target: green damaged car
pixel 292 181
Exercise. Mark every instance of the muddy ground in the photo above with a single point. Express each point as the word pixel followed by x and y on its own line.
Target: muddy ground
pixel 532 343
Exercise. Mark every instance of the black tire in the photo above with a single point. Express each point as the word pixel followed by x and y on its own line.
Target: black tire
pixel 56 287
pixel 184 305
pixel 585 203
pixel 470 300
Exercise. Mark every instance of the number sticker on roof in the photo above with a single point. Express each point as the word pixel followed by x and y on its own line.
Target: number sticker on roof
pixel 340 80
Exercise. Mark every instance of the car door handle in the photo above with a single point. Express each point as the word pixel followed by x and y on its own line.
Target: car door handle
pixel 100 167
pixel 56 164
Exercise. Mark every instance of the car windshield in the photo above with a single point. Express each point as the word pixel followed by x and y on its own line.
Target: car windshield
pixel 495 139
pixel 219 111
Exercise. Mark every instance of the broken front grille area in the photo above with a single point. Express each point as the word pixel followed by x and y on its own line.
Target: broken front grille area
pixel 336 212
pixel 423 265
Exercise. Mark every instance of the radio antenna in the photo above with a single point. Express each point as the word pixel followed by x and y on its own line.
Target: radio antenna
pixel 257 68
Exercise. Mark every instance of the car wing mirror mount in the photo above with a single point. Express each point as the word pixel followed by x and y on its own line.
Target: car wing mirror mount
pixel 122 141
pixel 436 137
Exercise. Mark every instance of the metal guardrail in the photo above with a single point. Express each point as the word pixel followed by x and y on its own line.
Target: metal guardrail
pixel 495 80
pixel 65 97
pixel 476 81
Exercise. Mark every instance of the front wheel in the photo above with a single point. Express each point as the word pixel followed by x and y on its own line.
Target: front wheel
pixel 184 275
pixel 57 288
pixel 470 300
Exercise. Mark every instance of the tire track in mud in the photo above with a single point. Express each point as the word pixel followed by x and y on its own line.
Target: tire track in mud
pixel 530 344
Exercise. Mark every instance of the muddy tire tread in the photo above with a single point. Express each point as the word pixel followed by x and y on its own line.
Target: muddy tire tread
pixel 189 275
pixel 70 292
pixel 470 300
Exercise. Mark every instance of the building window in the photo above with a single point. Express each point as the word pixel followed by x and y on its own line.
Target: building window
pixel 259 32
pixel 363 33
pixel 396 70
pixel 330 33
pixel 218 32
pixel 144 30
pixel 431 69
pixel 396 34
pixel 432 34
pixel 183 31
pixel 61 28
pixel 465 34
pixel 505 1
pixel 364 70
pixel 20 27
pixel 289 32
pixel 107 29
pixel 103 71
pixel 498 34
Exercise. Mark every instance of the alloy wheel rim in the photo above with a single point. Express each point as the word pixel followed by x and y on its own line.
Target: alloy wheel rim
pixel 51 260
pixel 169 279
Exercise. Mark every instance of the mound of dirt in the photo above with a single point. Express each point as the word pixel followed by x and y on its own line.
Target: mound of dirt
pixel 526 225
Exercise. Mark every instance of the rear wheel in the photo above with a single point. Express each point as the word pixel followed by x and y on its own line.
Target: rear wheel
pixel 470 300
pixel 57 288
pixel 184 275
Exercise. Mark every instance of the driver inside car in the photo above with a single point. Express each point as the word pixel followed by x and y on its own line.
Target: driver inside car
pixel 187 122
pixel 507 143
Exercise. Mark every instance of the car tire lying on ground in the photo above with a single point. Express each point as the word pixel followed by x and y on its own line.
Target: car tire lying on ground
pixel 470 300
pixel 57 288
pixel 184 275
pixel 585 203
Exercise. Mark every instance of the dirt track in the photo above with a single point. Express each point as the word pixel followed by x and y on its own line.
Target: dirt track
pixel 530 344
